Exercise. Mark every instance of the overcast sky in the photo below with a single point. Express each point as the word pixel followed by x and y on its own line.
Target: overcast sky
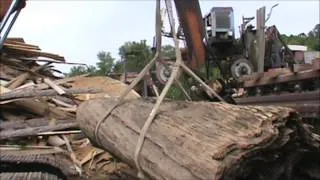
pixel 79 29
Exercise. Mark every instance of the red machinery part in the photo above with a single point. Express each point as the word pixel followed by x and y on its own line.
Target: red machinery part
pixel 5 5
pixel 190 18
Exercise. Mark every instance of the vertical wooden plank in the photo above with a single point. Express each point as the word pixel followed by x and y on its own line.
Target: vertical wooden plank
pixel 260 38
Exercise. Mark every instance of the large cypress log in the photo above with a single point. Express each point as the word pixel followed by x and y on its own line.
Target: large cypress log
pixel 202 140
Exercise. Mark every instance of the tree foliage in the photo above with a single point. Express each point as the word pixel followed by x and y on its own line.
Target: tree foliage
pixel 311 40
pixel 79 70
pixel 103 66
pixel 105 63
pixel 118 67
pixel 168 52
pixel 136 55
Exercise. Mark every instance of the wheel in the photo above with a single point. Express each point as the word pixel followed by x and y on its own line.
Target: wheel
pixel 163 72
pixel 241 67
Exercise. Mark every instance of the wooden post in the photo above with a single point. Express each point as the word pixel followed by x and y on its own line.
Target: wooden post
pixel 260 39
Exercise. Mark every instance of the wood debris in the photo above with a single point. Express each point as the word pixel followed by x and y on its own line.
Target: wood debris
pixel 37 115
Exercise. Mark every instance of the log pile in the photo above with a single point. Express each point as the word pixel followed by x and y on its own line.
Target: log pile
pixel 37 116
pixel 202 140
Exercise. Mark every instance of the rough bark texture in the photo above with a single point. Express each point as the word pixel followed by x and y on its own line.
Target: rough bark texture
pixel 42 108
pixel 36 122
pixel 30 93
pixel 34 131
pixel 202 140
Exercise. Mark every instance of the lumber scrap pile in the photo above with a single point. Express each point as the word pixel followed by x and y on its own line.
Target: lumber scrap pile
pixel 203 140
pixel 37 117
pixel 17 48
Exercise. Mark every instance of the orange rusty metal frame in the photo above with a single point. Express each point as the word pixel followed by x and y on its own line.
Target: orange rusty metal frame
pixel 5 5
pixel 190 18
pixel 9 12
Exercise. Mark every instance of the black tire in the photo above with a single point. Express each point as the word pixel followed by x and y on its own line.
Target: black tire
pixel 241 63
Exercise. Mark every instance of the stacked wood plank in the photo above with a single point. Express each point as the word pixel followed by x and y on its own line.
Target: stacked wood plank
pixel 37 116
pixel 203 140
pixel 299 72
pixel 297 87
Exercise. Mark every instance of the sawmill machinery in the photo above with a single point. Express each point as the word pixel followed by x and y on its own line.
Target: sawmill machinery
pixel 211 42
pixel 257 68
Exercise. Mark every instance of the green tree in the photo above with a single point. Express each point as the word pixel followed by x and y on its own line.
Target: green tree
pixel 314 36
pixel 79 70
pixel 118 67
pixel 315 32
pixel 136 55
pixel 312 40
pixel 105 64
pixel 168 52
pixel 135 52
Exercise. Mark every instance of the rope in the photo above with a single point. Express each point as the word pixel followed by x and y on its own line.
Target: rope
pixel 155 108
pixel 123 95
pixel 176 68
pixel 136 80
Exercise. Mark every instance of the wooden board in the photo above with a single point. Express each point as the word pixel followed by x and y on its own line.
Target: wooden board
pixel 24 46
pixel 110 87
pixel 34 53
pixel 15 39
pixel 264 80
pixel 316 63
pixel 302 67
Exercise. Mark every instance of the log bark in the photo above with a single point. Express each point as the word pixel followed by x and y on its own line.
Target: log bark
pixel 30 123
pixel 34 131
pixel 29 93
pixel 39 107
pixel 7 72
pixel 202 140
pixel 21 78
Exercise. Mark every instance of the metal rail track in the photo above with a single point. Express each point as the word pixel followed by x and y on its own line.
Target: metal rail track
pixel 306 103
